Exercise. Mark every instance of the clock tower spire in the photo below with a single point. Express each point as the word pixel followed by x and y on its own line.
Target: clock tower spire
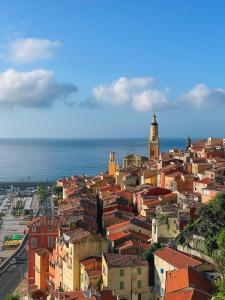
pixel 153 145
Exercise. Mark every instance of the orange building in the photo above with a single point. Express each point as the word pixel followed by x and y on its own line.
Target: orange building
pixel 41 268
pixel 42 233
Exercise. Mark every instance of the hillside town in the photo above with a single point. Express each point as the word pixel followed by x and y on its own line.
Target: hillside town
pixel 137 231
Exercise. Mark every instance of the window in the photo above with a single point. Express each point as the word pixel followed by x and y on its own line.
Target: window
pixel 50 242
pixel 139 271
pixel 139 296
pixel 139 284
pixel 161 271
pixel 34 229
pixel 121 285
pixel 121 272
pixel 34 243
pixel 49 228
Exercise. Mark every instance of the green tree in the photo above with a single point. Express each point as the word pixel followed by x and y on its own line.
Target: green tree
pixel 12 297
pixel 57 191
pixel 219 256
pixel 148 254
pixel 211 220
pixel 41 193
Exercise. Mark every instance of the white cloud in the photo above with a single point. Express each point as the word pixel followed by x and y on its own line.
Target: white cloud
pixel 202 97
pixel 136 91
pixel 140 93
pixel 37 88
pixel 151 100
pixel 23 51
pixel 121 91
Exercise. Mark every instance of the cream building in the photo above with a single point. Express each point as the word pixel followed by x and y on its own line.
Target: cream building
pixel 134 160
pixel 168 259
pixel 73 246
pixel 90 273
pixel 164 228
pixel 127 275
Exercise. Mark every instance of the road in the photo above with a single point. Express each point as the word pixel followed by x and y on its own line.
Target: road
pixel 11 278
pixel 47 208
pixel 13 275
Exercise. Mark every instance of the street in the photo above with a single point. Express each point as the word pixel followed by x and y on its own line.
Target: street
pixel 46 208
pixel 11 278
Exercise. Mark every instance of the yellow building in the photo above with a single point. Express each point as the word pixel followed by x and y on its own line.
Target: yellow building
pixel 112 164
pixel 153 147
pixel 127 275
pixel 75 245
pixel 149 177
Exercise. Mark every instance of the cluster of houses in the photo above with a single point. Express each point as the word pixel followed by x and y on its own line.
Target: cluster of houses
pixel 95 247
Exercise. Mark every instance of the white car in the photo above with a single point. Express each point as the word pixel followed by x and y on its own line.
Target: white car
pixel 12 261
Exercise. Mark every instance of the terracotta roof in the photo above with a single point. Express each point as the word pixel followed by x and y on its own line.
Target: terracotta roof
pixel 106 295
pixel 176 258
pixel 49 221
pixel 131 243
pixel 118 225
pixel 174 174
pixel 188 294
pixel 110 220
pixel 205 180
pixel 71 296
pixel 118 235
pixel 77 234
pixel 118 260
pixel 89 260
pixel 139 235
pixel 94 273
pixel 187 277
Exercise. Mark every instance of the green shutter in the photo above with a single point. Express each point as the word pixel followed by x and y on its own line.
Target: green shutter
pixel 121 285
pixel 139 284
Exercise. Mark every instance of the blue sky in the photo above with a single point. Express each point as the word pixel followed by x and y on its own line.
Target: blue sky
pixel 100 68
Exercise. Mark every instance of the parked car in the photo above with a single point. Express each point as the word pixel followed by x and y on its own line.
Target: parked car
pixel 12 261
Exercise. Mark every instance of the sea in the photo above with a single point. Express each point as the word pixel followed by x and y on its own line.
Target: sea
pixel 51 159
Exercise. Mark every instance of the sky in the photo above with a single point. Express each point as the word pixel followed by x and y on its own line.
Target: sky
pixel 101 68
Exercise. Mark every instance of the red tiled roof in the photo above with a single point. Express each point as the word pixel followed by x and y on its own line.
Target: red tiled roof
pixel 176 258
pixel 89 260
pixel 119 260
pixel 131 243
pixel 205 180
pixel 79 295
pixel 118 235
pixel 155 191
pixel 77 234
pixel 188 294
pixel 118 225
pixel 94 273
pixel 187 277
pixel 48 221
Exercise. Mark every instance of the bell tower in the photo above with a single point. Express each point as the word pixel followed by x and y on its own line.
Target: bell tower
pixel 112 164
pixel 153 146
